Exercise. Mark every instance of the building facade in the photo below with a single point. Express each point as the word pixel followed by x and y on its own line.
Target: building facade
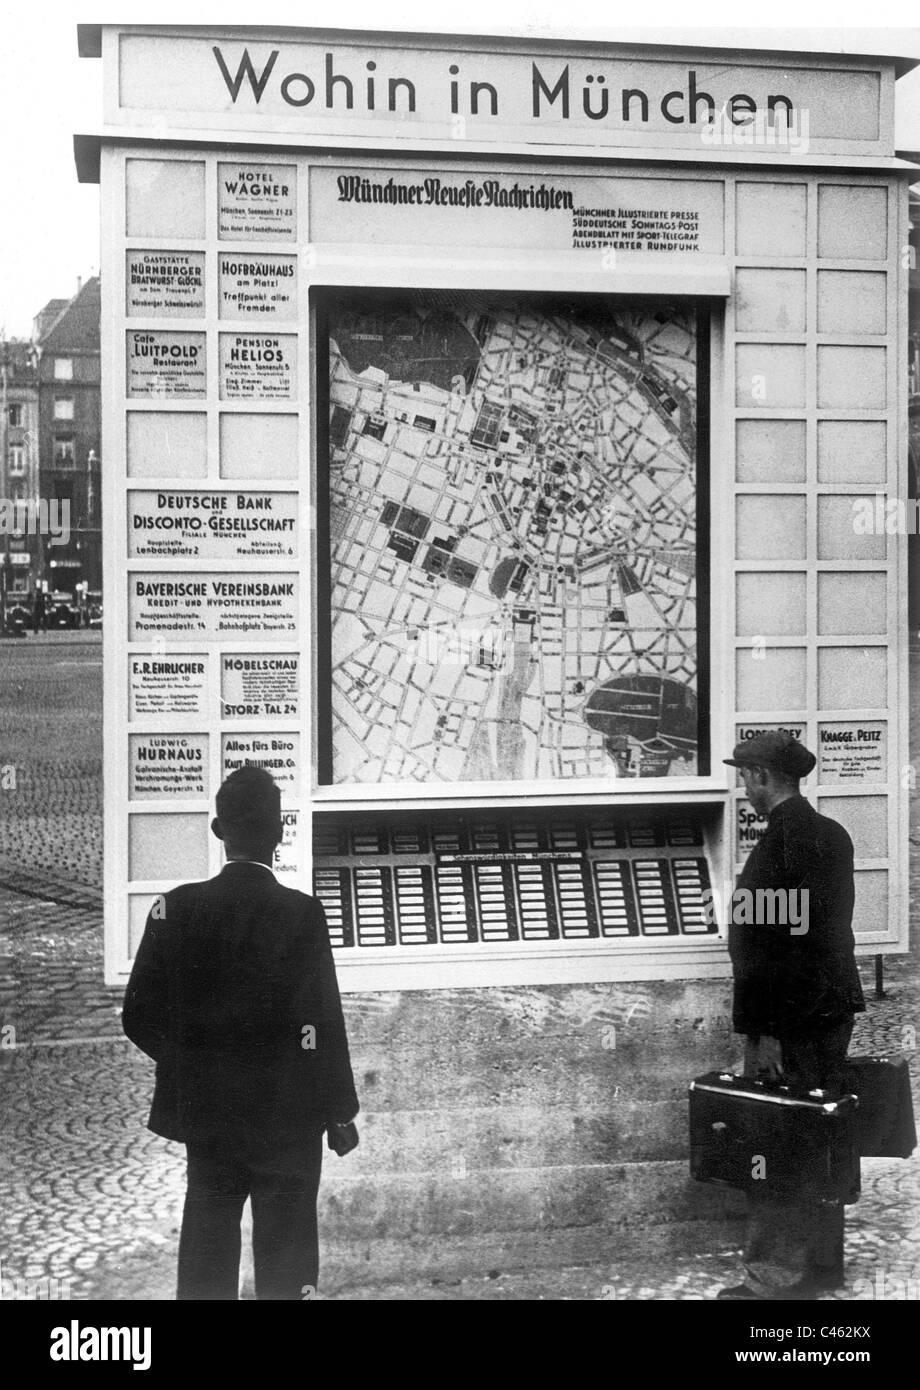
pixel 21 554
pixel 66 341
pixel 499 431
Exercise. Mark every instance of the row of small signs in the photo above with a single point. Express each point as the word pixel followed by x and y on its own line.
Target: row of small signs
pixel 256 203
pixel 171 284
pixel 253 685
pixel 176 765
pixel 175 696
pixel 850 752
pixel 176 688
pixel 252 366
pixel 234 603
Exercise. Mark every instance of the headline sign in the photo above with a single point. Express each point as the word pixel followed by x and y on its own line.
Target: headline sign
pixel 423 207
pixel 577 97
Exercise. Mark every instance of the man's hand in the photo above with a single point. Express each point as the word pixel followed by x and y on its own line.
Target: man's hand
pixel 343 1138
pixel 769 1060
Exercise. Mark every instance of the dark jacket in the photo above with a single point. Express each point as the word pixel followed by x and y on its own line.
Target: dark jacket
pixel 789 982
pixel 229 978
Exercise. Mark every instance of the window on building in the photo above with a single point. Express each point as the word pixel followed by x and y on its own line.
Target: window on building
pixel 63 452
pixel 16 460
pixel 63 369
pixel 63 408
pixel 14 415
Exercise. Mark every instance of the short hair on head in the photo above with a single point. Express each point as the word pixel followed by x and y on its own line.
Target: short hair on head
pixel 248 804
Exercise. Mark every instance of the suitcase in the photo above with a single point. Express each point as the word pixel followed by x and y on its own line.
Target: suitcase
pixel 885 1114
pixel 767 1138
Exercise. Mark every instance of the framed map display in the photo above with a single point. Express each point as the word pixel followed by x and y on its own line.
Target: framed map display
pixel 511 538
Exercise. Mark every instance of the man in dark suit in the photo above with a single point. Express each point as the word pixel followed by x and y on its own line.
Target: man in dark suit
pixel 796 990
pixel 234 995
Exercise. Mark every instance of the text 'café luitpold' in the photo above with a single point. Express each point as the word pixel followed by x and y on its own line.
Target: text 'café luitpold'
pixel 493 432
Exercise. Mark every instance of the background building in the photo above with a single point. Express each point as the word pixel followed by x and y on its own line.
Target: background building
pixel 20 556
pixel 66 341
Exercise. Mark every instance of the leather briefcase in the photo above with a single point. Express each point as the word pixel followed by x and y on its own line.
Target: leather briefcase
pixel 769 1138
pixel 885 1114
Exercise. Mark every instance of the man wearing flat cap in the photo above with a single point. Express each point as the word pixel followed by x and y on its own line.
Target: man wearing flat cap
pixel 796 990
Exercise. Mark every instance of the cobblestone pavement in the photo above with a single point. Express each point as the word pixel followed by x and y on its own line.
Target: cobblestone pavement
pixel 51 740
pixel 94 1199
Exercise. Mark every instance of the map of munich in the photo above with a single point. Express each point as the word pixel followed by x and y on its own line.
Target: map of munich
pixel 512 535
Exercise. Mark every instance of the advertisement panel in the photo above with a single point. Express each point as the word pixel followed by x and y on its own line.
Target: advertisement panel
pixel 257 686
pixel 165 284
pixel 257 367
pixel 162 685
pixel 278 753
pixel 257 286
pixel 165 364
pixel 218 525
pixel 442 207
pixel 257 202
pixel 186 606
pixel 168 766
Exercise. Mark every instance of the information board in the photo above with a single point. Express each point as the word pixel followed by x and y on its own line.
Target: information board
pixel 389 880
pixel 513 540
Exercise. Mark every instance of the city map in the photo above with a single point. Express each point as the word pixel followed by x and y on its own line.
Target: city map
pixel 512 513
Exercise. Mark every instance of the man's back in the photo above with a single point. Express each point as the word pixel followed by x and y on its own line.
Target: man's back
pixel 792 976
pixel 233 993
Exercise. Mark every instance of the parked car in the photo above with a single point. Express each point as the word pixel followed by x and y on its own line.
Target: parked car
pixel 17 618
pixel 94 608
pixel 62 610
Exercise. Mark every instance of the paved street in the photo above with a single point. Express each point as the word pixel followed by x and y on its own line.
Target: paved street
pixel 51 735
pixel 96 1198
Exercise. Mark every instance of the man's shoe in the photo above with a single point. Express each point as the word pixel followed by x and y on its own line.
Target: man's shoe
pixel 740 1292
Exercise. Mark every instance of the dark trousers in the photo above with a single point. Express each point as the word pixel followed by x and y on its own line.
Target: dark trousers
pixel 787 1241
pixel 283 1187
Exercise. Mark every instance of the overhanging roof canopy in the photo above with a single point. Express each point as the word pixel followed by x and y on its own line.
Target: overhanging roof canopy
pixel 89 41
